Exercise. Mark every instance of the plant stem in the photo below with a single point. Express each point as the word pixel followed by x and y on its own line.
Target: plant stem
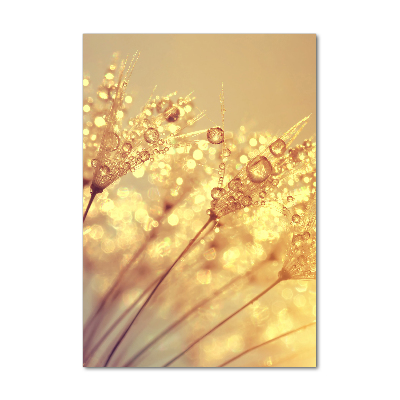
pixel 221 323
pixel 125 269
pixel 186 315
pixel 116 322
pixel 211 219
pixel 262 344
pixel 92 196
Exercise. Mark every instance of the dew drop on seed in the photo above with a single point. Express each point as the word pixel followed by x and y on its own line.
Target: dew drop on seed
pixel 278 148
pixel 217 193
pixel 151 135
pixel 258 169
pixel 235 184
pixel 104 170
pixel 296 218
pixel 290 198
pixel 127 147
pixel 215 135
pixel 306 235
pixel 246 201
pixel 172 114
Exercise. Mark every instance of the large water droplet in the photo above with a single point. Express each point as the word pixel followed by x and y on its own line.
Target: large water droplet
pixel 104 170
pixel 217 193
pixel 172 114
pixel 215 135
pixel 278 148
pixel 151 135
pixel 235 184
pixel 127 147
pixel 258 169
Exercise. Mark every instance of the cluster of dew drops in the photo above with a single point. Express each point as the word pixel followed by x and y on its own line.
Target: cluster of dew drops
pixel 258 170
pixel 143 127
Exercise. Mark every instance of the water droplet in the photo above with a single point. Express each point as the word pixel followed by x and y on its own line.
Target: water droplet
pixel 215 135
pixel 226 152
pixel 246 200
pixel 104 170
pixel 262 194
pixel 296 218
pixel 235 184
pixel 172 114
pixel 290 198
pixel 208 212
pixel 258 169
pixel 95 163
pixel 222 166
pixel 127 147
pixel 278 148
pixel 306 235
pixel 297 239
pixel 217 193
pixel 151 135
pixel 144 155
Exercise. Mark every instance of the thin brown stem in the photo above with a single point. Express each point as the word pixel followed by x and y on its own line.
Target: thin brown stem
pixel 211 219
pixel 117 321
pixel 186 315
pixel 263 344
pixel 120 277
pixel 222 322
pixel 92 196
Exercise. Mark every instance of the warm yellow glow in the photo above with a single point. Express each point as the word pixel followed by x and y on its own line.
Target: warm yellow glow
pixel 99 121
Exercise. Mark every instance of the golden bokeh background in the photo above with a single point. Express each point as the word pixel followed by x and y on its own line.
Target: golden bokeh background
pixel 269 85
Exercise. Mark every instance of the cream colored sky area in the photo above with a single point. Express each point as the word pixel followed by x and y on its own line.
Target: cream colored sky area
pixel 269 80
